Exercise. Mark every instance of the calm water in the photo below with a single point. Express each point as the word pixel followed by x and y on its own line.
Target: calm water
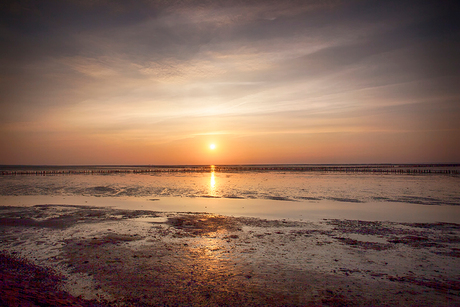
pixel 283 191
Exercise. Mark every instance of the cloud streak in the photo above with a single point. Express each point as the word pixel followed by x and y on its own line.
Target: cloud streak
pixel 158 72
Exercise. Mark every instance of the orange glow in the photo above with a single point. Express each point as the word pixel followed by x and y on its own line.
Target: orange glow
pixel 293 95
pixel 212 183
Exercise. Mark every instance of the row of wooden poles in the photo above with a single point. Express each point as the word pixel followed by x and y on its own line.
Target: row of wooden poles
pixel 392 170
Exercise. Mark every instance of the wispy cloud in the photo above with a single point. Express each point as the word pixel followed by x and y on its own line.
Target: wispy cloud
pixel 160 72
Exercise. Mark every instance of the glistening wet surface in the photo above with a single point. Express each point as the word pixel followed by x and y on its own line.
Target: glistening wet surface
pixel 141 257
pixel 433 189
pixel 236 237
pixel 305 210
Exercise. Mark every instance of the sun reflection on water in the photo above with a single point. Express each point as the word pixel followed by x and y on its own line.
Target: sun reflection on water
pixel 212 183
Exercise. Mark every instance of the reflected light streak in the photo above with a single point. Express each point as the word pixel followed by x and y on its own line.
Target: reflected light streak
pixel 212 183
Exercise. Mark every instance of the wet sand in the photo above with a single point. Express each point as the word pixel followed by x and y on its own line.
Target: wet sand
pixel 145 258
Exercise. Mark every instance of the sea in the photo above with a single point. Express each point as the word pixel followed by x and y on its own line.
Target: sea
pixel 391 192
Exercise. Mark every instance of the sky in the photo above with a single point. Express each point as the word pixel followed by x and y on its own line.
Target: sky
pixel 157 82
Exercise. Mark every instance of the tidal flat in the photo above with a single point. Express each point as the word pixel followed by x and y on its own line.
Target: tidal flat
pixel 102 256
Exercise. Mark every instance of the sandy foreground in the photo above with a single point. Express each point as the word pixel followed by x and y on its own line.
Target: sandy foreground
pixel 66 255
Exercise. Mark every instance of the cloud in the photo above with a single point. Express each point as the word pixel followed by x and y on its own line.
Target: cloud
pixel 162 71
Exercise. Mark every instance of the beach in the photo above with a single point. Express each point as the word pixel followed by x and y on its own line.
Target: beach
pixel 213 238
pixel 144 258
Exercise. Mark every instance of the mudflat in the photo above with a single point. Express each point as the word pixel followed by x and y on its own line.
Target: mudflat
pixel 99 256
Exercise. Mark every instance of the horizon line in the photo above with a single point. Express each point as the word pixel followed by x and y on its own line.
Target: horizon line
pixel 242 164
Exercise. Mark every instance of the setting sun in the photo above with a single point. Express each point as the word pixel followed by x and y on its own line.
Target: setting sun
pixel 212 146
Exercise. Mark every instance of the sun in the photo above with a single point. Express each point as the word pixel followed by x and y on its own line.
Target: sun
pixel 212 146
